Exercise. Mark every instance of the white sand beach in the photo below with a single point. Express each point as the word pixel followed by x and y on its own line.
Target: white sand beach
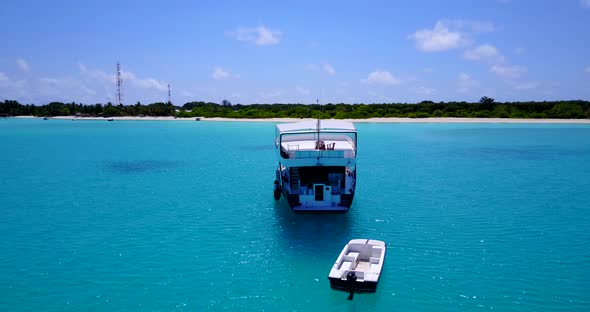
pixel 368 120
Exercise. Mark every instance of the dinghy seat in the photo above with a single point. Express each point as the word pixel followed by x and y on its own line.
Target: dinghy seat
pixel 350 261
pixel 345 265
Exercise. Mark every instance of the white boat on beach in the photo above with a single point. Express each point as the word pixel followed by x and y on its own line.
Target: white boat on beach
pixel 316 165
pixel 358 266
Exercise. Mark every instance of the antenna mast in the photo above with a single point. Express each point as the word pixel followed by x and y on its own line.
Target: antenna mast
pixel 119 83
pixel 318 125
pixel 169 94
pixel 319 110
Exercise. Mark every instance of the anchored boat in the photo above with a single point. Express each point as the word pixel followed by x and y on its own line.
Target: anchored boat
pixel 358 266
pixel 317 165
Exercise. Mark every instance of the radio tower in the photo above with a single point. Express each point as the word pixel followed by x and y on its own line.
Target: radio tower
pixel 119 83
pixel 169 94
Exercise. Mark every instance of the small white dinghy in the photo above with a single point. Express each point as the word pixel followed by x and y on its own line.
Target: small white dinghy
pixel 358 266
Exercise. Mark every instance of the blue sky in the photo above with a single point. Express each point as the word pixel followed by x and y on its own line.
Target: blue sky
pixel 295 51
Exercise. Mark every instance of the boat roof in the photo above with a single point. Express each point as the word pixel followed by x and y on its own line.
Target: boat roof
pixel 311 125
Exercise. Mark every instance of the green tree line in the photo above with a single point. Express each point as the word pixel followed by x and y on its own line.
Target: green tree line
pixel 13 108
pixel 485 108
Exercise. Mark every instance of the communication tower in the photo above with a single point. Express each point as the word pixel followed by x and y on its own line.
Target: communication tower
pixel 169 102
pixel 119 84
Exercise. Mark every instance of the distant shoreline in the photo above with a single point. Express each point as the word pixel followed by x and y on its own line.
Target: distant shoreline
pixel 367 120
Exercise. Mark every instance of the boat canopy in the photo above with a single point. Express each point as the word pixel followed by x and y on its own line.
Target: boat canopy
pixel 311 125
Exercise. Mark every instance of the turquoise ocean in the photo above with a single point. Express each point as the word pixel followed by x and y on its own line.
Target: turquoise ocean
pixel 179 216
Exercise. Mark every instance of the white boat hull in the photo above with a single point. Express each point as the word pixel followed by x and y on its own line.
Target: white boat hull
pixel 316 165
pixel 361 259
pixel 319 197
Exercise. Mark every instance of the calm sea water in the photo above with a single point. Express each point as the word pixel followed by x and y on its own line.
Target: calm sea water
pixel 179 216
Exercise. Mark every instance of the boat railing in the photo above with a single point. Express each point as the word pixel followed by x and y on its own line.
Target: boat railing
pixel 349 154
pixel 292 147
pixel 327 137
pixel 293 151
pixel 321 154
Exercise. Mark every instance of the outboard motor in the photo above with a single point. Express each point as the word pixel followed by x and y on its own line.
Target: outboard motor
pixel 277 190
pixel 351 279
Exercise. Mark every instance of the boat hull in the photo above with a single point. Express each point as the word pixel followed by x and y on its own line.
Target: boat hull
pixel 358 287
pixel 358 266
pixel 296 207
pixel 316 165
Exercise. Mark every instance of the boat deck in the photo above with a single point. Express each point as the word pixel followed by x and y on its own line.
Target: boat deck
pixel 364 258
pixel 310 145
pixel 352 262
pixel 308 149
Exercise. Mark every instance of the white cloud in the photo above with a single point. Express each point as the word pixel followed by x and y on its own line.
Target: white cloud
pixel 311 66
pixel 151 83
pixel 326 67
pixel 22 64
pixel 221 74
pixel 440 38
pixel 49 80
pixel 449 34
pixel 62 89
pixel 329 69
pixel 87 90
pixel 381 77
pixel 465 83
pixel 484 52
pixel 508 71
pixel 90 86
pixel 19 90
pixel 470 26
pixel 271 94
pixel 377 98
pixel 144 83
pixel 96 74
pixel 3 79
pixel 520 86
pixel 585 3
pixel 186 93
pixel 127 76
pixel 258 35
pixel 424 91
pixel 302 90
pixel 519 50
